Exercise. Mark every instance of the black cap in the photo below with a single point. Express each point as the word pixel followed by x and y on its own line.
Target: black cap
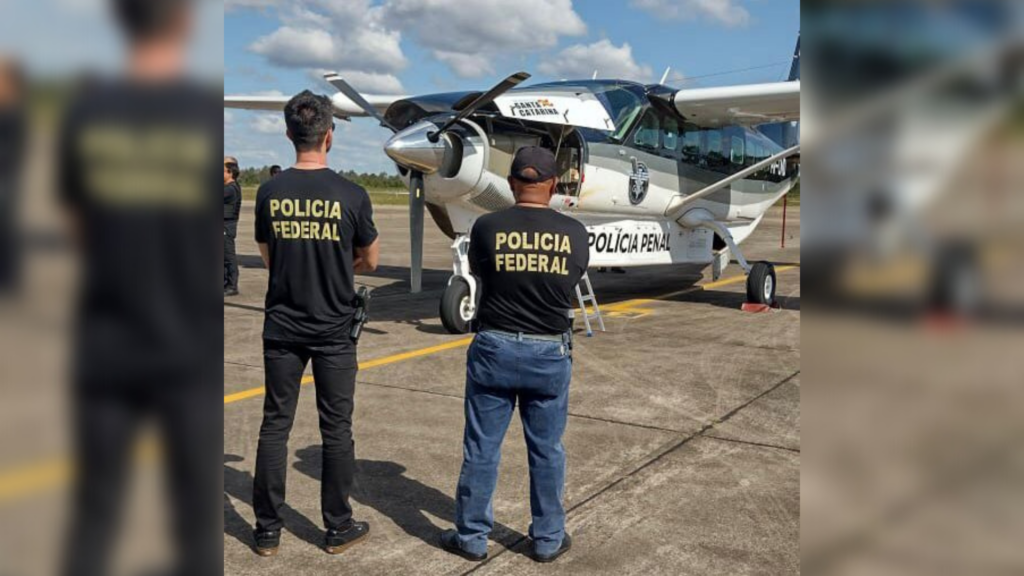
pixel 540 159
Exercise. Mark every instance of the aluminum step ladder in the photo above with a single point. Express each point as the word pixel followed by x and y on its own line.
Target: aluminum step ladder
pixel 583 300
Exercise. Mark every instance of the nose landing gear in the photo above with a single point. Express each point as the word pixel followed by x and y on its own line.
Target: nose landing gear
pixel 461 296
pixel 457 307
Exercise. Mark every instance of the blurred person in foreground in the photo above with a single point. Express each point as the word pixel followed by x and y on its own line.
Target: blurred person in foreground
pixel 232 210
pixel 12 153
pixel 529 260
pixel 315 230
pixel 138 178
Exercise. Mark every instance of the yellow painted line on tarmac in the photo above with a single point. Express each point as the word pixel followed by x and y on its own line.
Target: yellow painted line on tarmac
pixel 258 391
pixel 40 476
pixel 56 472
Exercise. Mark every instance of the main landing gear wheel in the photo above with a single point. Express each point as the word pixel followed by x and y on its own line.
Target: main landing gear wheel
pixel 956 281
pixel 456 309
pixel 761 284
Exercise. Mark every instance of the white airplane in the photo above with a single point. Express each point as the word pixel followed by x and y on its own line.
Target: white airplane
pixel 658 175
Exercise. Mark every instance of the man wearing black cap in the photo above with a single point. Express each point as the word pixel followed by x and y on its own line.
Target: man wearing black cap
pixel 529 260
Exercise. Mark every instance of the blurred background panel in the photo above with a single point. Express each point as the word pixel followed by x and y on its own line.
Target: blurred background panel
pixel 51 52
pixel 913 251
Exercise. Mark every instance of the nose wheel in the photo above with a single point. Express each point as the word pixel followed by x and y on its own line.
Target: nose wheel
pixel 457 307
pixel 761 284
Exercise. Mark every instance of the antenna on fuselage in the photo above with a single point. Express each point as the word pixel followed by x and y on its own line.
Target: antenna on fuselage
pixel 665 75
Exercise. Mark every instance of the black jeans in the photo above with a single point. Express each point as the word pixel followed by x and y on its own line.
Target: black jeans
pixel 334 375
pixel 230 257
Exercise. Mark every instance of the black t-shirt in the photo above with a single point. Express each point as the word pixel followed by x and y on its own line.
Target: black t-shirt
pixel 312 220
pixel 529 261
pixel 232 200
pixel 139 166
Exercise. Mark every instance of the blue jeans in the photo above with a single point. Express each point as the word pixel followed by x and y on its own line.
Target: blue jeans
pixel 501 369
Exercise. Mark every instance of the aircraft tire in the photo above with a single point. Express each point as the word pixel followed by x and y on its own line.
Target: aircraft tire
pixel 453 303
pixel 761 284
pixel 956 280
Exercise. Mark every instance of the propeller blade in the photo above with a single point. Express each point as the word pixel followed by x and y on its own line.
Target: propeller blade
pixel 482 100
pixel 416 205
pixel 352 94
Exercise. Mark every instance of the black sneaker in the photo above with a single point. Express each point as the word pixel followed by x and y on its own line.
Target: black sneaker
pixel 337 541
pixel 228 292
pixel 267 541
pixel 566 544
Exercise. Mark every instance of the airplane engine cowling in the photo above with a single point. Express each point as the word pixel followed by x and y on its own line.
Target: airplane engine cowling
pixel 472 181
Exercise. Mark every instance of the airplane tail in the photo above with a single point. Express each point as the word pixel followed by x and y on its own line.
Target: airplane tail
pixel 794 69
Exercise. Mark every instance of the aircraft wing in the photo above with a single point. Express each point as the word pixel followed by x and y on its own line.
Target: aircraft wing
pixel 343 107
pixel 748 104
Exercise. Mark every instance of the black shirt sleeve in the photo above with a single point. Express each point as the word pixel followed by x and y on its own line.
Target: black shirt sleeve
pixel 583 256
pixel 262 234
pixel 69 190
pixel 477 254
pixel 366 231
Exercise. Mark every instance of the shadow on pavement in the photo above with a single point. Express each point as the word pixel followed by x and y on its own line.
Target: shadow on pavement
pixel 383 486
pixel 238 485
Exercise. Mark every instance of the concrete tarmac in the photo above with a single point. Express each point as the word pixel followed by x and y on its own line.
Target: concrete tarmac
pixel 683 440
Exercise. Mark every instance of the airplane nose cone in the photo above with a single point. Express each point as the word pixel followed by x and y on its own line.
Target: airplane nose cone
pixel 411 148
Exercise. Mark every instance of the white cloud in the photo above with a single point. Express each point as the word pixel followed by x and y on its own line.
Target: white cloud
pixel 610 61
pixel 333 35
pixel 470 39
pixel 727 12
pixel 269 123
pixel 289 46
pixel 466 65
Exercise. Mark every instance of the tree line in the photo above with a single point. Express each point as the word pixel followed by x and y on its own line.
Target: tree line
pixel 256 176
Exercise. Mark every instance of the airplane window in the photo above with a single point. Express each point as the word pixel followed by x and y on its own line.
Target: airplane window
pixel 647 133
pixel 691 146
pixel 737 154
pixel 713 151
pixel 669 133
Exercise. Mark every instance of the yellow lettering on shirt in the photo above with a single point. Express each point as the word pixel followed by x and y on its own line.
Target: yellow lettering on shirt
pixel 305 219
pixel 539 252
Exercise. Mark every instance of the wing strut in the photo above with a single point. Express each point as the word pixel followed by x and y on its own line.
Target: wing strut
pixel 675 212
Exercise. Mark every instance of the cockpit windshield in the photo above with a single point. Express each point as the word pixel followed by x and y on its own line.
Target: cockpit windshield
pixel 623 100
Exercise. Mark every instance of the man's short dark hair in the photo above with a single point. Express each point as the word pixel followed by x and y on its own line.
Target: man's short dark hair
pixel 308 117
pixel 146 19
pixel 275 170
pixel 233 168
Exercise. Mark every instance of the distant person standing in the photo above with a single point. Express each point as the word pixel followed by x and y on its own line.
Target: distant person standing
pixel 529 260
pixel 315 231
pixel 275 170
pixel 232 210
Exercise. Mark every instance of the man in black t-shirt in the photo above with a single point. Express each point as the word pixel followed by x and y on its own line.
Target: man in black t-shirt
pixel 315 231
pixel 529 260
pixel 138 169
pixel 232 210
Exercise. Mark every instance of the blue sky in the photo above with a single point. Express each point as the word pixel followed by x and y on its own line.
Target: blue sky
pixel 424 46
